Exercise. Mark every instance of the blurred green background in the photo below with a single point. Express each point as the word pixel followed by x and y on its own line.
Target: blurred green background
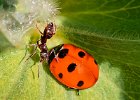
pixel 107 29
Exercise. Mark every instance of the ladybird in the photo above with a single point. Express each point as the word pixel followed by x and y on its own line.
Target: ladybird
pixel 73 66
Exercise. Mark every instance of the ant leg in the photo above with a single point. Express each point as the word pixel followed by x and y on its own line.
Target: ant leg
pixel 35 45
pixel 39 30
pixel 32 70
pixel 33 52
pixel 24 55
pixel 38 70
pixel 33 74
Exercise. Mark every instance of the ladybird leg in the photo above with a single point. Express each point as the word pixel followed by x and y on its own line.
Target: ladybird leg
pixel 78 92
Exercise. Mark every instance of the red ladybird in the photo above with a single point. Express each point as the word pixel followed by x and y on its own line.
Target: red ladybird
pixel 73 67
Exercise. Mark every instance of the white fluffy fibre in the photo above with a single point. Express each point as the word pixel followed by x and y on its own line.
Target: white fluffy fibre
pixel 15 24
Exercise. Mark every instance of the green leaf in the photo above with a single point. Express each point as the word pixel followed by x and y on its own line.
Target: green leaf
pixel 108 30
pixel 8 5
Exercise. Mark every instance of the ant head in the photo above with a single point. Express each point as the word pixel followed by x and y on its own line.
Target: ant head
pixel 49 30
pixel 50 24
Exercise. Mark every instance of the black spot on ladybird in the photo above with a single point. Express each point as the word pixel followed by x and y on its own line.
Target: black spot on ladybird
pixel 80 83
pixel 63 53
pixel 81 54
pixel 71 67
pixel 95 61
pixel 60 75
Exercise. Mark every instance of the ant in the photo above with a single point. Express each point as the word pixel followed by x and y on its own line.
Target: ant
pixel 49 31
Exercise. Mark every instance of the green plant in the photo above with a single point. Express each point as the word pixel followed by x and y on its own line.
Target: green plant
pixel 107 29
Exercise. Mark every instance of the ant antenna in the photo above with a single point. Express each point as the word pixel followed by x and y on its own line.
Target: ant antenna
pixel 38 29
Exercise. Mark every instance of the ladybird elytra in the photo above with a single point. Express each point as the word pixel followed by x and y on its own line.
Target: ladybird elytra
pixel 76 69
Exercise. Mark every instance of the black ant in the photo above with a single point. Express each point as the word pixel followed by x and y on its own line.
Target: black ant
pixel 49 31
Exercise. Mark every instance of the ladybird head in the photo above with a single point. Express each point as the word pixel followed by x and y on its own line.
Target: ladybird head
pixel 53 52
pixel 49 30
